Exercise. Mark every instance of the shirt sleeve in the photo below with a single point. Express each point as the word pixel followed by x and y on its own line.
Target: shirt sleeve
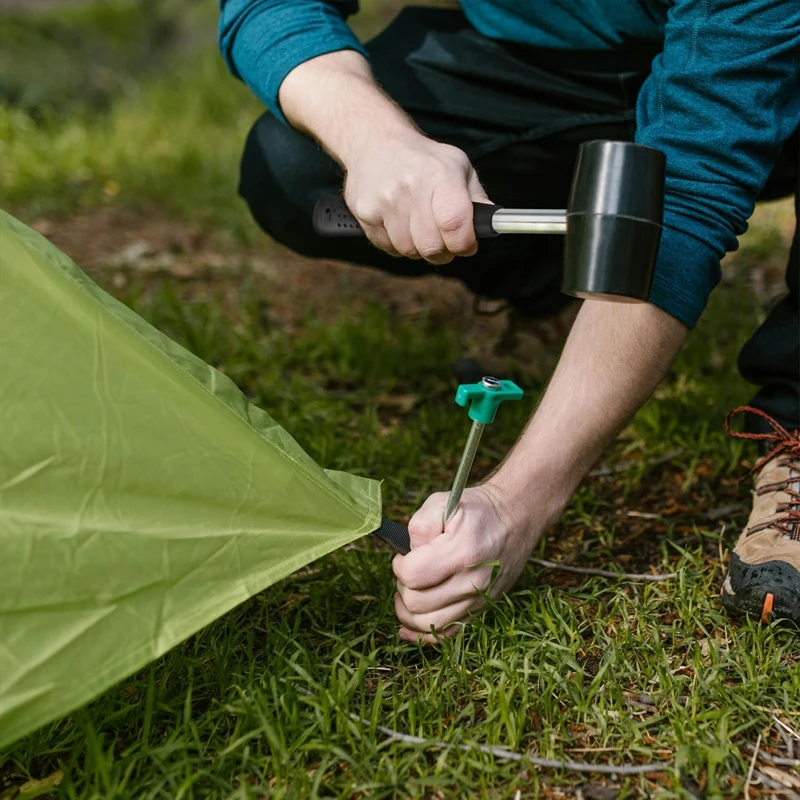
pixel 722 98
pixel 263 40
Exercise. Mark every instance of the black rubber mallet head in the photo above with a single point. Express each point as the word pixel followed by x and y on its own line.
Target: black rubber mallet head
pixel 612 225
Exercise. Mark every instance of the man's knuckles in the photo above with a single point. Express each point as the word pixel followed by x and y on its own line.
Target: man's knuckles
pixel 438 620
pixel 426 524
pixel 414 601
pixel 434 251
pixel 367 212
pixel 456 220
pixel 434 506
pixel 412 572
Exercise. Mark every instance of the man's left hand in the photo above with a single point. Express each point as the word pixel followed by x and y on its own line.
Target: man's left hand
pixel 443 581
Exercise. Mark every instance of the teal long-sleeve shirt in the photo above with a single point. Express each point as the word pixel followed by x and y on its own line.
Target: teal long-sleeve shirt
pixel 722 97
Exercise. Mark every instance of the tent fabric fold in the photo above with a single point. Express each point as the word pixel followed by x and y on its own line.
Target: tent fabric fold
pixel 141 495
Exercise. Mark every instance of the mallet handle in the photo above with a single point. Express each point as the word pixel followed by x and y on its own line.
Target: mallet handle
pixel 332 218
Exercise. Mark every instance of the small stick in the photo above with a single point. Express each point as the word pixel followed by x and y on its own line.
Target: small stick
pixel 605 573
pixel 771 784
pixel 623 466
pixel 777 760
pixel 746 794
pixel 791 731
pixel 508 755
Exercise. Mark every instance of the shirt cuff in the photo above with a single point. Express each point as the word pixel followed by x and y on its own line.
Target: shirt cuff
pixel 685 273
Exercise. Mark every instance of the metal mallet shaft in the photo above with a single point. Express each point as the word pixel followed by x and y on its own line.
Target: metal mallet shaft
pixel 529 220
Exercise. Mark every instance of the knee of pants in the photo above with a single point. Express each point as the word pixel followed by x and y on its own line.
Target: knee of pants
pixel 283 174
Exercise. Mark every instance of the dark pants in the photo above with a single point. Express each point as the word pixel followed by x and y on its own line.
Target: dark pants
pixel 519 113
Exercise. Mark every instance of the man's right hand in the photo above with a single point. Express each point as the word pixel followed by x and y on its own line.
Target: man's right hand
pixel 413 196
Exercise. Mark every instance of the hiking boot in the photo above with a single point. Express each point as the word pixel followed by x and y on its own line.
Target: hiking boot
pixel 763 577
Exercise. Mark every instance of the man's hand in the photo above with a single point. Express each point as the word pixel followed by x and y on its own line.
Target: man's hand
pixel 442 582
pixel 614 357
pixel 413 196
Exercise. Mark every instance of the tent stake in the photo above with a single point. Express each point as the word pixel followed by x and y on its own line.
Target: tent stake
pixel 483 398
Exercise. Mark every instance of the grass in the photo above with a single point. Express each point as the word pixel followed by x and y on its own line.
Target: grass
pixel 257 704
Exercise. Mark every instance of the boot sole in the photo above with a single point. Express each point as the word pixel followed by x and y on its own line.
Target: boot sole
pixel 764 591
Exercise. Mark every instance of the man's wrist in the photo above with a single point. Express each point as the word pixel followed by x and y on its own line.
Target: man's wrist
pixel 335 99
pixel 383 129
pixel 536 496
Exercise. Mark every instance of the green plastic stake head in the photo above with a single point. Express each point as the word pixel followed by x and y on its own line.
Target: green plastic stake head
pixel 485 397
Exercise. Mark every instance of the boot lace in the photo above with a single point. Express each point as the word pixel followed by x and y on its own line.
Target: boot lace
pixel 786 444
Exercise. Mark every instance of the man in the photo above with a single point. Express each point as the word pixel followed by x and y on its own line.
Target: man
pixel 491 100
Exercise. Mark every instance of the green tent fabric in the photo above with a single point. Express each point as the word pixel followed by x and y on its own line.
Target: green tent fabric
pixel 141 495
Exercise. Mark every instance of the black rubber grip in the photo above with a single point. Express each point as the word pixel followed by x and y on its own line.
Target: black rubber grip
pixel 395 535
pixel 482 214
pixel 332 218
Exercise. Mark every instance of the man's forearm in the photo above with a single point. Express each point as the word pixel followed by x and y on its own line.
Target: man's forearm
pixel 615 356
pixel 335 99
pixel 412 196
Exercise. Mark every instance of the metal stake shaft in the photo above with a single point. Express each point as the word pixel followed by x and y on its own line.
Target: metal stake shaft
pixel 462 474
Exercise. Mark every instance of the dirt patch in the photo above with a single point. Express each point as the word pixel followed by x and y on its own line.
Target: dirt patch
pixel 111 244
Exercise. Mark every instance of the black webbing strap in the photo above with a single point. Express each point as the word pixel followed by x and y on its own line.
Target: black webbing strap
pixel 395 535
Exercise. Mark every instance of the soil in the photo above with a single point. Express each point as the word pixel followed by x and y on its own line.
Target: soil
pixel 111 243
pixel 109 240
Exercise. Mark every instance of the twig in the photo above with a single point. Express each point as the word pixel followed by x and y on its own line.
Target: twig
pixel 777 760
pixel 788 734
pixel 643 515
pixel 769 783
pixel 771 710
pixel 746 793
pixel 605 573
pixel 507 755
pixel 510 755
pixel 623 466
pixel 788 728
pixel 723 511
pixel 788 741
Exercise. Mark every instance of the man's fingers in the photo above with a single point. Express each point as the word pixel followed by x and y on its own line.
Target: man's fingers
pixel 433 563
pixel 427 638
pixel 459 587
pixel 427 523
pixel 426 236
pixel 452 209
pixel 399 232
pixel 440 620
pixel 378 236
pixel 476 190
